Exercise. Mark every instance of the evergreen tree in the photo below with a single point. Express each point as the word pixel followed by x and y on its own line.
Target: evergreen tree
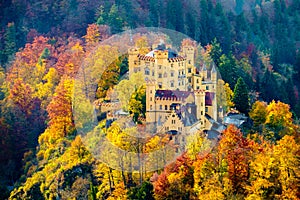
pixel 114 20
pixel 269 86
pixel 228 69
pixel 9 42
pixel 145 191
pixel 241 96
pixel 216 51
pixel 239 6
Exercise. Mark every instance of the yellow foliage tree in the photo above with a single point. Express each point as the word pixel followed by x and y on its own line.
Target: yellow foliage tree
pixel 60 114
pixel 287 155
pixel 279 118
pixel 258 113
pixel 224 95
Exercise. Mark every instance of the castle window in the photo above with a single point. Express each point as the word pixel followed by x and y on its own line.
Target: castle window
pixel 152 73
pixel 189 79
pixel 150 107
pixel 201 112
pixel 197 80
pixel 147 71
pixel 207 87
pixel 159 66
pixel 160 107
pixel 159 85
pixel 172 83
pixel 150 98
pixel 166 107
pixel 150 91
pixel 172 74
pixel 172 65
pixel 189 61
pixel 206 109
pixel 159 75
pixel 173 121
pixel 189 70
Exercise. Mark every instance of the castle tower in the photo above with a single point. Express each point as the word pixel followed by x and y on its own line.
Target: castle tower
pixel 204 72
pixel 150 102
pixel 161 56
pixel 132 59
pixel 189 53
pixel 200 103
pixel 214 90
pixel 214 73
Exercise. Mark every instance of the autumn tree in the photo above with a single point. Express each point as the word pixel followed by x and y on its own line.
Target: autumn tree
pixel 142 44
pixel 137 103
pixel 59 110
pixel 126 88
pixel 45 89
pixel 109 78
pixel 92 34
pixel 224 95
pixel 279 119
pixel 26 64
pixel 176 181
pixel 258 113
pixel 234 151
pixel 286 152
pixel 274 171
pixel 96 33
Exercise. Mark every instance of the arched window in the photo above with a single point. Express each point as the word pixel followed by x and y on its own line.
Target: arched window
pixel 147 71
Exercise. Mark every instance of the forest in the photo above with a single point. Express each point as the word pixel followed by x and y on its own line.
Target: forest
pixel 255 46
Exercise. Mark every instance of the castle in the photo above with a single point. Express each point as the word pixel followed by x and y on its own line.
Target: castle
pixel 179 96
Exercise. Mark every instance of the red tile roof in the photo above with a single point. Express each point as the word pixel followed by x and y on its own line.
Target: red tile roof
pixel 173 94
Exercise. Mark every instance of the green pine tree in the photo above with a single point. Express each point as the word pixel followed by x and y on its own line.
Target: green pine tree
pixel 241 96
pixel 9 42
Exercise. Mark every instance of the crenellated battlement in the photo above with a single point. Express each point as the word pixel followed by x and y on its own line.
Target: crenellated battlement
pixel 169 99
pixel 177 59
pixel 146 58
pixel 133 51
pixel 161 54
pixel 199 92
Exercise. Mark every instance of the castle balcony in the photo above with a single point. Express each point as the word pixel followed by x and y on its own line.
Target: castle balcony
pixel 181 76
